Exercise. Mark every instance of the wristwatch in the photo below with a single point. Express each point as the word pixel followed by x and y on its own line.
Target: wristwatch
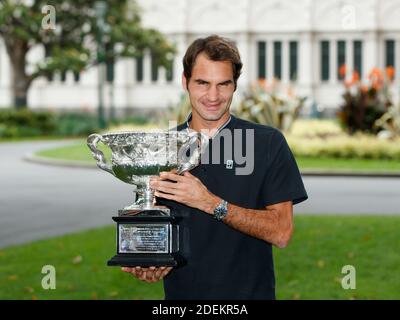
pixel 221 210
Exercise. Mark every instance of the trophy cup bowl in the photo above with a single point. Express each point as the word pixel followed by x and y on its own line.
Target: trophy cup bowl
pixel 138 156
pixel 147 234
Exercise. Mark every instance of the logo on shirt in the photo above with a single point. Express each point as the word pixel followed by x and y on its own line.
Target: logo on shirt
pixel 229 164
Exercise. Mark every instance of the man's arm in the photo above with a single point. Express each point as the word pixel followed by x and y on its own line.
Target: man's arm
pixel 274 224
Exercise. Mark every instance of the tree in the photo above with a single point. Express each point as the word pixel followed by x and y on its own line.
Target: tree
pixel 71 46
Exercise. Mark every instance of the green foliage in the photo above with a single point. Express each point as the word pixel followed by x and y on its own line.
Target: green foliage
pixel 76 124
pixel 25 123
pixel 272 104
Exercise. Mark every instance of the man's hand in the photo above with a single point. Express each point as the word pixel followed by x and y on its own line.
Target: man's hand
pixel 186 189
pixel 151 274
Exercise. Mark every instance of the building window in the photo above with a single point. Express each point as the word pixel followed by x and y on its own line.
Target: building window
pixel 63 76
pixel 325 60
pixel 293 53
pixel 278 60
pixel 77 76
pixel 154 68
pixel 170 71
pixel 109 62
pixel 47 50
pixel 139 69
pixel 262 59
pixel 358 58
pixel 390 53
pixel 341 60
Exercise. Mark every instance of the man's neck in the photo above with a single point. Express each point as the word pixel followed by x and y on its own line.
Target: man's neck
pixel 211 127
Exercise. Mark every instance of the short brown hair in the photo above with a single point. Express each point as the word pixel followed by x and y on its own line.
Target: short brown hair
pixel 217 49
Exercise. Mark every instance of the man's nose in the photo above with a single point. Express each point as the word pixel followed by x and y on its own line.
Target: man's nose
pixel 212 93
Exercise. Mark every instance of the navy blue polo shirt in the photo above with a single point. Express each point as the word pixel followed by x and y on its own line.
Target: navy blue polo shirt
pixel 224 263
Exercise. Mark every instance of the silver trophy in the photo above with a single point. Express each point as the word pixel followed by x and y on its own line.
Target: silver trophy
pixel 147 234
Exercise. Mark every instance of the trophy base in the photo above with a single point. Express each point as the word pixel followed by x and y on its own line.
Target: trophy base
pixel 136 210
pixel 145 260
pixel 147 239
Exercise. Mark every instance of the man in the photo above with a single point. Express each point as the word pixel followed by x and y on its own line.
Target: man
pixel 232 219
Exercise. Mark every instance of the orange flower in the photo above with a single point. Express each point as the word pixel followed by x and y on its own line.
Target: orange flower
pixel 261 82
pixel 356 77
pixel 390 72
pixel 343 70
pixel 375 73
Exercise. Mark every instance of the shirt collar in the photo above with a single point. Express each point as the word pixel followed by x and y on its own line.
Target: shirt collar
pixel 189 118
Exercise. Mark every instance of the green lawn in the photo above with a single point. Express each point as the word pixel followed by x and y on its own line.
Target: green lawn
pixel 80 152
pixel 309 268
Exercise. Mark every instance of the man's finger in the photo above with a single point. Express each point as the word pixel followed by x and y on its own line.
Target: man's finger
pixel 170 185
pixel 171 176
pixel 165 196
pixel 158 273
pixel 166 271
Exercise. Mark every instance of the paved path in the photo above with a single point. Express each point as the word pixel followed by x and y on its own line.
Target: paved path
pixel 38 201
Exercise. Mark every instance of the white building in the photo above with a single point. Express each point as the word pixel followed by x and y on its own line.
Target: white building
pixel 302 42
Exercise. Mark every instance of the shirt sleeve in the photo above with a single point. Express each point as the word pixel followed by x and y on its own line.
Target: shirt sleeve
pixel 282 180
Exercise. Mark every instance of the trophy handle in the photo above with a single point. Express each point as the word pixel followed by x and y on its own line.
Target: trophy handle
pixel 185 163
pixel 92 142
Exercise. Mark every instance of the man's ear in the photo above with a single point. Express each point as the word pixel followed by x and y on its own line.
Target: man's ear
pixel 184 82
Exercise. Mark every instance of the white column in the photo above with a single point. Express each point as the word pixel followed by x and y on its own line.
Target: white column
pixel 397 60
pixel 244 49
pixel 370 53
pixel 270 59
pixel 130 71
pixel 5 77
pixel 333 61
pixel 285 61
pixel 120 74
pixel 162 76
pixel 5 66
pixel 307 65
pixel 178 66
pixel 349 59
pixel 89 77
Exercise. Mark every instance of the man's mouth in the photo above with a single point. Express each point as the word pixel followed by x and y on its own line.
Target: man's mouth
pixel 212 106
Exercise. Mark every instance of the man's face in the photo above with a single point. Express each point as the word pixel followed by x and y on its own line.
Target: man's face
pixel 211 88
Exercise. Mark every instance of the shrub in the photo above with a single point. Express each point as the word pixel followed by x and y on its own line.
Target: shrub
pixel 270 103
pixel 365 104
pixel 26 123
pixel 76 124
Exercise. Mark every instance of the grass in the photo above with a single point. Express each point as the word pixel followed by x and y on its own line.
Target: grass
pixel 80 152
pixel 309 268
pixel 32 139
pixel 349 164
